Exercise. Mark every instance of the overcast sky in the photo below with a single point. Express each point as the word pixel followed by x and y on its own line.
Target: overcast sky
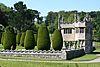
pixel 44 6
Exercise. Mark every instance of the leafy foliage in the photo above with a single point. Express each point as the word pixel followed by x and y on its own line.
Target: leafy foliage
pixel 18 36
pixel 43 41
pixel 2 38
pixel 22 39
pixel 22 18
pixel 57 41
pixel 9 38
pixel 29 41
pixel 35 37
pixel 3 18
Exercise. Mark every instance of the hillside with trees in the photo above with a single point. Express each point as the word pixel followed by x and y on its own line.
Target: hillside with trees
pixel 52 20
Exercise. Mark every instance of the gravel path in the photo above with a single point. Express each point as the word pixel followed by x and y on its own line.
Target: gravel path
pixel 95 60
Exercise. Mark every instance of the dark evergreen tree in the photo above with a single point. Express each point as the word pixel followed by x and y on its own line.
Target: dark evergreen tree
pixel 43 41
pixel 22 39
pixel 9 39
pixel 29 41
pixel 18 36
pixel 57 41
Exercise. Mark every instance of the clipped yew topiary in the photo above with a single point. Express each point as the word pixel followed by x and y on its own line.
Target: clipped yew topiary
pixel 18 36
pixel 43 40
pixel 9 38
pixel 9 41
pixel 29 41
pixel 22 39
pixel 35 37
pixel 57 41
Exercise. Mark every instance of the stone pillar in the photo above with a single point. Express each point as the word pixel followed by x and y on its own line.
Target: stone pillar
pixel 74 45
pixel 69 45
pixel 80 44
pixel 64 47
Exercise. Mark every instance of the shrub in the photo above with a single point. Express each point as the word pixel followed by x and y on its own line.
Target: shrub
pixel 29 41
pixel 43 40
pixel 2 38
pixel 57 41
pixel 18 36
pixel 9 40
pixel 35 37
pixel 9 29
pixel 22 39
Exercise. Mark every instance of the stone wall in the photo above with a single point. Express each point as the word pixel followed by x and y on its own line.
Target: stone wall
pixel 57 55
pixel 75 53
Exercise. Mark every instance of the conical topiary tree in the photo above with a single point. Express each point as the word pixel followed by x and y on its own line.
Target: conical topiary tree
pixel 9 39
pixel 43 40
pixel 57 41
pixel 22 39
pixel 18 36
pixel 29 41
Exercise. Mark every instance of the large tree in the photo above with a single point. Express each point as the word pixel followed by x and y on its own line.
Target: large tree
pixel 22 18
pixel 3 18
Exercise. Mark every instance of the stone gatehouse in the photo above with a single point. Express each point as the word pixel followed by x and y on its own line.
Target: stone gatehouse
pixel 77 34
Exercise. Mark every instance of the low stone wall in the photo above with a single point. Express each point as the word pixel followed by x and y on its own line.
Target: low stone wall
pixel 58 55
pixel 75 53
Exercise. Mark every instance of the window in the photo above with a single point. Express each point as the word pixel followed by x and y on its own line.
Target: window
pixel 81 30
pixel 67 30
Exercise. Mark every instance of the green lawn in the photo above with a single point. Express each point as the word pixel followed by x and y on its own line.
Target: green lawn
pixel 97 46
pixel 18 47
pixel 4 63
pixel 86 57
pixel 97 50
pixel 96 43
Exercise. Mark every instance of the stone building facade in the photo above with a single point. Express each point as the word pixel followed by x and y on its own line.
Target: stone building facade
pixel 78 34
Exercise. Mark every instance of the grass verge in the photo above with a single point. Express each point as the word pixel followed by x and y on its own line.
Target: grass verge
pixel 86 57
pixel 7 63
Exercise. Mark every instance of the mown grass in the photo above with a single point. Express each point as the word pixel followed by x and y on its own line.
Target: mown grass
pixel 7 63
pixel 86 57
pixel 97 50
pixel 96 43
pixel 97 46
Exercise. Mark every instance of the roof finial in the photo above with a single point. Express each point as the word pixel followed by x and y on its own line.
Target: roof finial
pixel 58 21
